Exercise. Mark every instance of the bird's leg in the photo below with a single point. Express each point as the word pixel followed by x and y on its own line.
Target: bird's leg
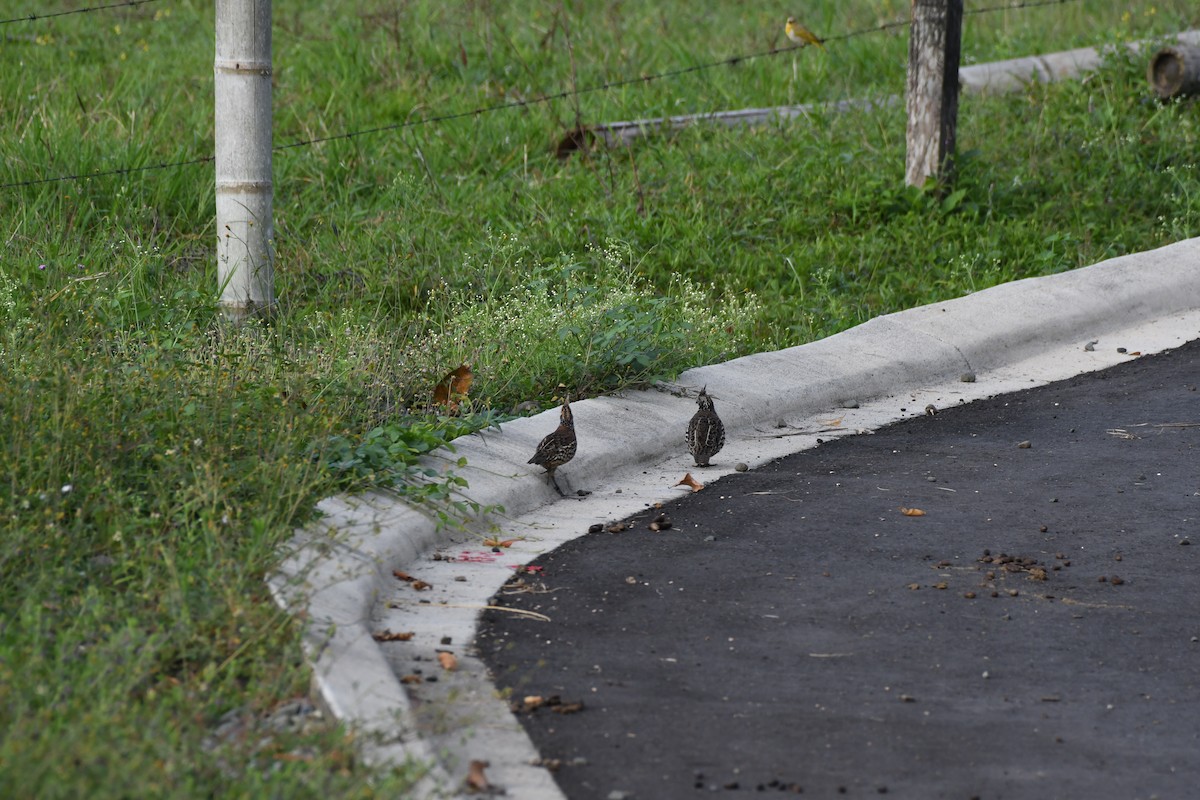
pixel 554 483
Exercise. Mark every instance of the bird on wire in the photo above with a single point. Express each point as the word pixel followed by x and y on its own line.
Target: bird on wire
pixel 705 431
pixel 801 35
pixel 558 447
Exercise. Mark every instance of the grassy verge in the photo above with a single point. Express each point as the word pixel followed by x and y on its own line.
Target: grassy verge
pixel 154 463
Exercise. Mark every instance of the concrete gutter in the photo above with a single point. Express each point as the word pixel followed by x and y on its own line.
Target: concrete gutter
pixel 337 572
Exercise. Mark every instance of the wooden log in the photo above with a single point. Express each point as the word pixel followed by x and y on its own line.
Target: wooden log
pixel 996 76
pixel 1175 71
pixel 931 99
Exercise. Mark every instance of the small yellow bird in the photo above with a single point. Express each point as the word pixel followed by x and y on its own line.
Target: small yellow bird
pixel 802 35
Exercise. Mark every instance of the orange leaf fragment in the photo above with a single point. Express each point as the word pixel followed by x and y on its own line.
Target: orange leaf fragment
pixel 448 660
pixel 688 480
pixel 832 423
pixel 402 575
pixel 496 541
pixel 476 779
pixel 911 512
pixel 452 389
pixel 421 586
pixel 386 635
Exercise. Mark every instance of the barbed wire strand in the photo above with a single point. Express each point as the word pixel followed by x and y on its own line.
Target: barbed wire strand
pixel 549 98
pixel 35 17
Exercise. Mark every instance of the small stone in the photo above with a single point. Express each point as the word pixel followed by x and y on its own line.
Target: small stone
pixel 1184 542
pixel 1090 346
pixel 1043 528
pixel 967 377
pixel 619 794
pixel 1116 580
pixel 741 466
pixel 1122 350
pixel 596 527
pixel 1025 445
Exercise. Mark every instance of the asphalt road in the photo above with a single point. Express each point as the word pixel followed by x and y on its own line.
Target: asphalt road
pixel 1033 634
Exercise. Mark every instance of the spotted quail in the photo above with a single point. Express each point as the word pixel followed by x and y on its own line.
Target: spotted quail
pixel 559 447
pixel 705 432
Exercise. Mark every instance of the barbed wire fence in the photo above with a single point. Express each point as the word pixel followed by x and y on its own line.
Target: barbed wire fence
pixel 604 86
pixel 34 17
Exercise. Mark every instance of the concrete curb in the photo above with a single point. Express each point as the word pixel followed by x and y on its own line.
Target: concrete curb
pixel 338 570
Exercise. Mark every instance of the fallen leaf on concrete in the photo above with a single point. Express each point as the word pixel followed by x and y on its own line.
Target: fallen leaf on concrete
pixel 831 423
pixel 476 779
pixel 567 708
pixel 688 480
pixel 402 575
pixel 911 512
pixel 421 586
pixel 448 660
pixel 496 541
pixel 388 636
pixel 411 679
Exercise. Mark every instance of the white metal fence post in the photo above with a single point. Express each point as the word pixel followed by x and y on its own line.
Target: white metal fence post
pixel 245 229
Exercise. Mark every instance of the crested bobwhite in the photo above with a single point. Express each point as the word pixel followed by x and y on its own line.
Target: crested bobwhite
pixel 559 446
pixel 705 431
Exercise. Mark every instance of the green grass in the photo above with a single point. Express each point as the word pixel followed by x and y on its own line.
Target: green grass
pixel 154 462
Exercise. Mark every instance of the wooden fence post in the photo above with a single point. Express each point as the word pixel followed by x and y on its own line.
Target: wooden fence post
pixel 242 134
pixel 934 50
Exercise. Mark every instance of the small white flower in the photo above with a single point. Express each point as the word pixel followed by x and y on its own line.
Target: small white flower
pixel 66 489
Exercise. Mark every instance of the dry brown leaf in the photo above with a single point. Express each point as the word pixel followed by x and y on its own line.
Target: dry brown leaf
pixel 387 636
pixel 476 779
pixel 448 660
pixel 452 389
pixel 533 701
pixel 911 512
pixel 421 586
pixel 411 679
pixel 401 575
pixel 832 423
pixel 496 541
pixel 567 708
pixel 688 480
